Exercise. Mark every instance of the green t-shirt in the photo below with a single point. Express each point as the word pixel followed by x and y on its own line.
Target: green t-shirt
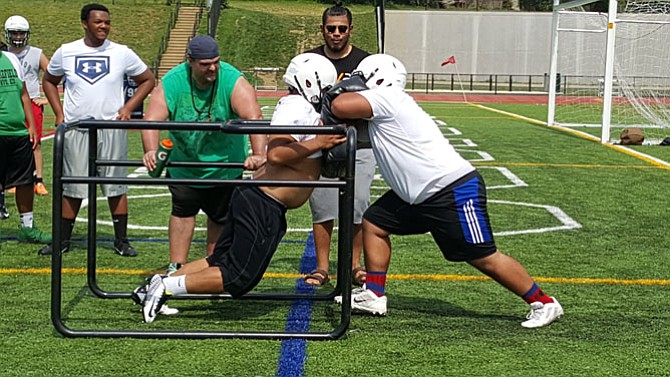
pixel 188 104
pixel 12 117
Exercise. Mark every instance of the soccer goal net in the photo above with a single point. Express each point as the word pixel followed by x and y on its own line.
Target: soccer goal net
pixel 611 70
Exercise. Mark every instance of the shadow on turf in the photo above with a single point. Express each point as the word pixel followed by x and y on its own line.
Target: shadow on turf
pixel 405 313
pixel 439 308
pixel 85 310
pixel 226 309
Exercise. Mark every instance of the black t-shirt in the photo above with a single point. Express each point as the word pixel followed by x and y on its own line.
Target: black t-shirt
pixel 347 64
pixel 344 67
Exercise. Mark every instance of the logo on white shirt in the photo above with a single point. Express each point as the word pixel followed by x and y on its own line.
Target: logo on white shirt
pixel 91 69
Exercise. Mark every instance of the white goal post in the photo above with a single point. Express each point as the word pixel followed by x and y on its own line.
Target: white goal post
pixel 611 71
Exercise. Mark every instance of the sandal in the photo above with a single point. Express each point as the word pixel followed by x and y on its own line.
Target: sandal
pixel 320 278
pixel 358 275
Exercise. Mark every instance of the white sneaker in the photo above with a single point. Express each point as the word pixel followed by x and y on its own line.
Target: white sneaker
pixel 355 291
pixel 155 298
pixel 542 314
pixel 368 302
pixel 140 294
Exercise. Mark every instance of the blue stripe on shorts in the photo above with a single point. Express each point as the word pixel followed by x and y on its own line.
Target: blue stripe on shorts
pixel 471 213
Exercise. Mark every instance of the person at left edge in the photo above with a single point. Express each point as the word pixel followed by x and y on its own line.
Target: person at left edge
pixel 94 69
pixel 202 89
pixel 4 214
pixel 16 145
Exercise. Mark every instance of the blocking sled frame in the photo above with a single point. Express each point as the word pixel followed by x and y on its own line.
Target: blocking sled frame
pixel 345 186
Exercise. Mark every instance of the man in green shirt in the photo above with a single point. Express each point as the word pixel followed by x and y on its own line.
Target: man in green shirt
pixel 202 89
pixel 17 143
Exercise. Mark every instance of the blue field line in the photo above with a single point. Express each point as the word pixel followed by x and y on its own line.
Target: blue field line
pixel 148 240
pixel 293 354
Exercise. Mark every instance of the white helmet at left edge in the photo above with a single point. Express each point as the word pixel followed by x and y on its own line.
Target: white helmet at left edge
pixel 311 74
pixel 16 24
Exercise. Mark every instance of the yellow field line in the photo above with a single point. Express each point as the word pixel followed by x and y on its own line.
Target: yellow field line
pixel 434 277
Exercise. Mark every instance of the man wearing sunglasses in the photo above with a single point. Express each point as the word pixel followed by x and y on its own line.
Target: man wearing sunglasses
pixel 336 28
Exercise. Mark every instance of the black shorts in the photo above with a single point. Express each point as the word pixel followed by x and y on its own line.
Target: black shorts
pixel 456 217
pixel 188 201
pixel 17 162
pixel 252 230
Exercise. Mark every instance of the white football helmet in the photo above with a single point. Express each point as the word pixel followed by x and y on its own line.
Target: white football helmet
pixel 380 70
pixel 13 24
pixel 310 74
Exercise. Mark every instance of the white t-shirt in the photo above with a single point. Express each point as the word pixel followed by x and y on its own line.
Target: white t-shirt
pixel 412 154
pixel 294 110
pixel 94 78
pixel 30 65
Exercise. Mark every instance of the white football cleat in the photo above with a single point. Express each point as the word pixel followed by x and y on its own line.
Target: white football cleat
pixel 369 303
pixel 365 301
pixel 140 294
pixel 155 298
pixel 542 314
pixel 355 291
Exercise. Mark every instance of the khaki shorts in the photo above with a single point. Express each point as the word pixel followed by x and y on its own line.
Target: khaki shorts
pixel 112 145
pixel 323 201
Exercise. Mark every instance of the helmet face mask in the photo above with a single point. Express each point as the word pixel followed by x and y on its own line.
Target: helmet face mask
pixel 311 75
pixel 14 25
pixel 381 70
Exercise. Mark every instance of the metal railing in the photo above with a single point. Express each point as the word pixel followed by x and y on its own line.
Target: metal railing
pixel 165 39
pixel 264 78
pixel 471 82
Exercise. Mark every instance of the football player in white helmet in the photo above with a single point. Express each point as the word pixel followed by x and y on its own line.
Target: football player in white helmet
pixel 433 190
pixel 310 75
pixel 381 70
pixel 17 31
pixel 33 60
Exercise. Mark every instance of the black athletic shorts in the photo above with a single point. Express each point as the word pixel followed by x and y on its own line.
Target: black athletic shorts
pixel 17 163
pixel 252 230
pixel 188 201
pixel 456 217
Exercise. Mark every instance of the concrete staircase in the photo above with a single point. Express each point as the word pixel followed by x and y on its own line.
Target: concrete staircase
pixel 175 53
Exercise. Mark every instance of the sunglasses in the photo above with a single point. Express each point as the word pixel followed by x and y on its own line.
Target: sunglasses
pixel 342 28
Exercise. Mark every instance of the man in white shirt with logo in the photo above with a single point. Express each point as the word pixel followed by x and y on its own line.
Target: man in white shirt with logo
pixel 94 69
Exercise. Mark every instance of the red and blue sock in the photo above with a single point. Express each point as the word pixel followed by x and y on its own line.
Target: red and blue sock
pixel 376 282
pixel 535 294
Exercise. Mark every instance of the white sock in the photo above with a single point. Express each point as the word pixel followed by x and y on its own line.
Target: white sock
pixel 26 219
pixel 175 285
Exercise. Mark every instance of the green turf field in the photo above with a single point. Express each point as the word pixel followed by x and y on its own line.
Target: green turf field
pixel 605 258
